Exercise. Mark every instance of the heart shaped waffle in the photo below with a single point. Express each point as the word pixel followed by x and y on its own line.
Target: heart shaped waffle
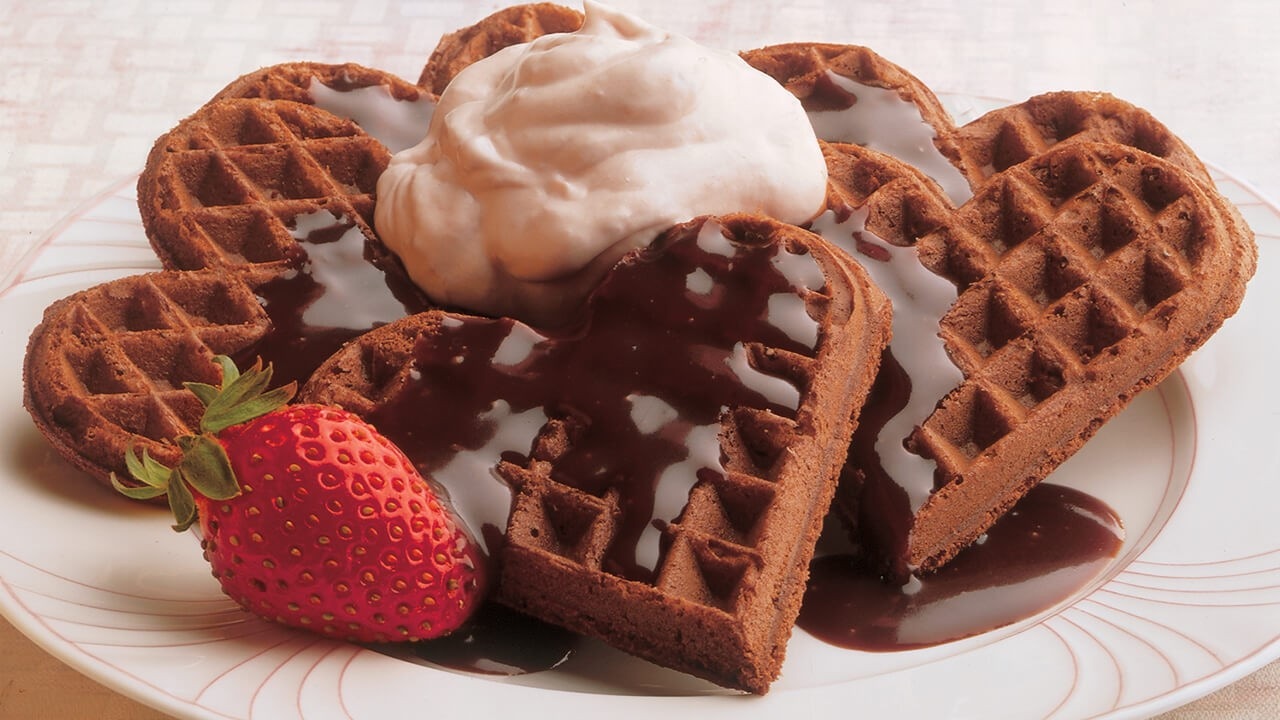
pixel 104 370
pixel 224 187
pixel 1092 258
pixel 695 419
pixel 258 207
pixel 220 189
pixel 267 183
pixel 1088 272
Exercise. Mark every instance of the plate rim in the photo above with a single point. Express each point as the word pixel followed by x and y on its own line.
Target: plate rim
pixel 35 627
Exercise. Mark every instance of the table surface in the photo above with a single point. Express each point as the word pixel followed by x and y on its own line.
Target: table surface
pixel 88 87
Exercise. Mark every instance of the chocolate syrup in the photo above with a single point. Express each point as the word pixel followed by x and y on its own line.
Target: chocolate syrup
pixel 333 293
pixel 641 383
pixel 847 604
pixel 496 641
pixel 827 96
pixel 1053 543
pixel 883 512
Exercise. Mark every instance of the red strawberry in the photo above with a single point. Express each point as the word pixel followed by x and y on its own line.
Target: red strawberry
pixel 313 519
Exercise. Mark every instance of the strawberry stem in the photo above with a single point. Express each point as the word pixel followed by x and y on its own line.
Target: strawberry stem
pixel 241 397
pixel 205 467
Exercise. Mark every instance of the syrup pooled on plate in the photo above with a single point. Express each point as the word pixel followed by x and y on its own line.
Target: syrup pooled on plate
pixel 495 641
pixel 1053 543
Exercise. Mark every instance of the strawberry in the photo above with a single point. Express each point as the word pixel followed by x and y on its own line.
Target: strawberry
pixel 313 519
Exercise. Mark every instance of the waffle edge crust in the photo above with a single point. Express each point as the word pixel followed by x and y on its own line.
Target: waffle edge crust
pixel 1093 258
pixel 104 370
pixel 1087 274
pixel 219 190
pixel 728 587
pixel 508 26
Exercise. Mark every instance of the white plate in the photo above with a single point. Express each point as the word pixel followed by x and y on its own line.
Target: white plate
pixel 1191 603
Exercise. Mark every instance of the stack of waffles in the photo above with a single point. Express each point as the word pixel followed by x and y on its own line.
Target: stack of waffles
pixel 1086 249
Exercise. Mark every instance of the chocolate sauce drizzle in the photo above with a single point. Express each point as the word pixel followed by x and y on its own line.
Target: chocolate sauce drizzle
pixel 647 340
pixel 355 277
pixel 652 334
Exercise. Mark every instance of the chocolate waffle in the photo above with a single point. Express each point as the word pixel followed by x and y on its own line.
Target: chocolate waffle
pixel 104 370
pixel 259 208
pixel 1007 136
pixel 1086 274
pixel 223 189
pixel 688 437
pixel 830 78
pixel 1111 267
pixel 509 26
pixel 389 109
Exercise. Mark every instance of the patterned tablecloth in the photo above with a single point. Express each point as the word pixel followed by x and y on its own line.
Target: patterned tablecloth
pixel 87 87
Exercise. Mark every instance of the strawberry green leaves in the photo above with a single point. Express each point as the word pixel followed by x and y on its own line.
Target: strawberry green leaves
pixel 158 480
pixel 240 398
pixel 204 467
pixel 153 476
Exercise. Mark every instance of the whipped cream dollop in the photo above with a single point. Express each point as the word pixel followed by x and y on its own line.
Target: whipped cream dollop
pixel 546 162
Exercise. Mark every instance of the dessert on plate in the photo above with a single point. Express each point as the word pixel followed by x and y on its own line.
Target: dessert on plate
pixel 636 359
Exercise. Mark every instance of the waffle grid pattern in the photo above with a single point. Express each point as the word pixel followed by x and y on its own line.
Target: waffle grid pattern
pixel 222 189
pixel 902 204
pixel 113 360
pixel 1008 136
pixel 729 581
pixel 1086 274
pixel 719 606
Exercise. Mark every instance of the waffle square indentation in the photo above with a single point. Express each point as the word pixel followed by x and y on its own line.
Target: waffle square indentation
pixel 729 507
pixel 208 300
pixel 245 235
pixel 1031 372
pixel 1089 322
pixel 972 419
pixel 1063 178
pixel 143 414
pixel 1145 277
pixel 707 571
pixel 986 316
pixel 168 359
pixel 1012 144
pixel 213 180
pixel 103 370
pixel 563 521
pixel 354 172
pixel 281 173
pixel 1045 270
pixel 761 436
pixel 1111 224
